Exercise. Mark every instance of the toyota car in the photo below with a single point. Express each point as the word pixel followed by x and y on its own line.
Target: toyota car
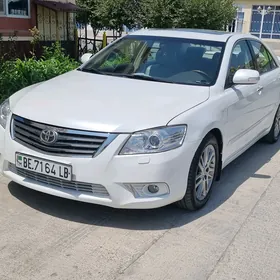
pixel 150 120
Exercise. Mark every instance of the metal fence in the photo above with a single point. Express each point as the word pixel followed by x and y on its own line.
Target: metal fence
pixel 86 45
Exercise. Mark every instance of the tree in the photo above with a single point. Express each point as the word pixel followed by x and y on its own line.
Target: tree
pixel 114 14
pixel 90 15
pixel 110 14
pixel 159 13
pixel 117 13
pixel 207 14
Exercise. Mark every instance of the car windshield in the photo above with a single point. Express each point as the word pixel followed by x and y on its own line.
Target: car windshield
pixel 160 59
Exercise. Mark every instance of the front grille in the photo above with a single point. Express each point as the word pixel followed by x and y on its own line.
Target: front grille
pixel 70 142
pixel 95 189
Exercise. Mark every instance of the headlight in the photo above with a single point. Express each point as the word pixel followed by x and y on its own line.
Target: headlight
pixel 155 140
pixel 4 112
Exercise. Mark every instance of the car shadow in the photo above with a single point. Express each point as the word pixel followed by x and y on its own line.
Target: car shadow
pixel 233 176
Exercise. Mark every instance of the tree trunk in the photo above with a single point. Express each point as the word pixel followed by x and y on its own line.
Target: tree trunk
pixel 95 32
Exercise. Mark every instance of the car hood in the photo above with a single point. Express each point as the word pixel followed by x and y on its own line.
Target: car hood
pixel 88 101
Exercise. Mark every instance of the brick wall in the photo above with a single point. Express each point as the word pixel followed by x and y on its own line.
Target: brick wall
pixel 21 25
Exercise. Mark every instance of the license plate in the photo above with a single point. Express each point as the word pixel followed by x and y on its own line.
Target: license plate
pixel 42 166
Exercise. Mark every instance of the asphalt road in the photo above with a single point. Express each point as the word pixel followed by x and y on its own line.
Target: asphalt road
pixel 237 236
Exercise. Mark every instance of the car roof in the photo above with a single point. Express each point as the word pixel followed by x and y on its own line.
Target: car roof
pixel 202 34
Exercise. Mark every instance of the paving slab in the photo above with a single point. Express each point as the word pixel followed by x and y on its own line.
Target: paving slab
pixel 234 237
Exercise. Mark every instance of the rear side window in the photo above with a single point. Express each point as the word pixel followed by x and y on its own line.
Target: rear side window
pixel 153 52
pixel 272 61
pixel 263 57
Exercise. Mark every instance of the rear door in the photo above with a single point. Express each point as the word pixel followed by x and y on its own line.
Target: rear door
pixel 269 85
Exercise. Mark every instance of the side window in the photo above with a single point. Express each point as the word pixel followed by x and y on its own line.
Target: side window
pixel 265 61
pixel 241 58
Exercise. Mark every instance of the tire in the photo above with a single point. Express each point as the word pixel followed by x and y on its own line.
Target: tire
pixel 191 201
pixel 273 135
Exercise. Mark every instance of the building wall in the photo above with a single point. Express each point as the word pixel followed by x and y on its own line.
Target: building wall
pixel 246 6
pixel 44 19
pixel 53 26
pixel 8 25
pixel 247 9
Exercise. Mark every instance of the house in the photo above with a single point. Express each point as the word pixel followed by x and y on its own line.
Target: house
pixel 17 16
pixel 260 18
pixel 55 20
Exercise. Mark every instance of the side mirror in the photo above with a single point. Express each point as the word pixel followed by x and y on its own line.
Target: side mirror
pixel 85 57
pixel 246 77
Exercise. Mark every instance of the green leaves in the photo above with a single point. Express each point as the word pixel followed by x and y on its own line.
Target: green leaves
pixel 17 74
pixel 202 14
pixel 110 14
pixel 92 14
pixel 160 13
pixel 215 14
pixel 113 14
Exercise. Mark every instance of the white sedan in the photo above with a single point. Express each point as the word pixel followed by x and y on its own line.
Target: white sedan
pixel 150 120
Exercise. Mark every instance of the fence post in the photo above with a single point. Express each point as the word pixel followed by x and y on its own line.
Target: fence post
pixel 76 38
pixel 104 42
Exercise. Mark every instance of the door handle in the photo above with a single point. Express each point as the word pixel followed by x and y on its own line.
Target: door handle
pixel 259 90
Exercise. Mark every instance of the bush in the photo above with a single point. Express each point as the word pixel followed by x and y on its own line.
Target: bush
pixel 17 74
pixel 203 14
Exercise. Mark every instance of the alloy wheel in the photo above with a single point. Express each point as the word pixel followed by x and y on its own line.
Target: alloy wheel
pixel 206 171
pixel 277 124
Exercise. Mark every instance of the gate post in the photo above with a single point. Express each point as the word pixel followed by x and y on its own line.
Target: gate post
pixel 104 41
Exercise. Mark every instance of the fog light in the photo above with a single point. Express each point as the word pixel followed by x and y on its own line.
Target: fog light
pixel 153 188
pixel 147 190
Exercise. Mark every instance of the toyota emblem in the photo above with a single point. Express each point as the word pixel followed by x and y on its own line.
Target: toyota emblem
pixel 48 136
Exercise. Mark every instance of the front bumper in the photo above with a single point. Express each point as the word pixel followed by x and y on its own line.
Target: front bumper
pixel 112 171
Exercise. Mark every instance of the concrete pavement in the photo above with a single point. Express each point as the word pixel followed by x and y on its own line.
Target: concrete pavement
pixel 235 237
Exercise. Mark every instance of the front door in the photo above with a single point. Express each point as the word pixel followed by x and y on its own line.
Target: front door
pixel 243 105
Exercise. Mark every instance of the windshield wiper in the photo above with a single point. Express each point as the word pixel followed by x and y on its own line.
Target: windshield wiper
pixel 137 76
pixel 92 70
pixel 202 82
pixel 146 78
pixel 95 71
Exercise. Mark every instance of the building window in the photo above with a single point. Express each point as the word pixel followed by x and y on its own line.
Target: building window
pixel 237 23
pixel 18 7
pixel 15 8
pixel 239 19
pixel 1 7
pixel 265 21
